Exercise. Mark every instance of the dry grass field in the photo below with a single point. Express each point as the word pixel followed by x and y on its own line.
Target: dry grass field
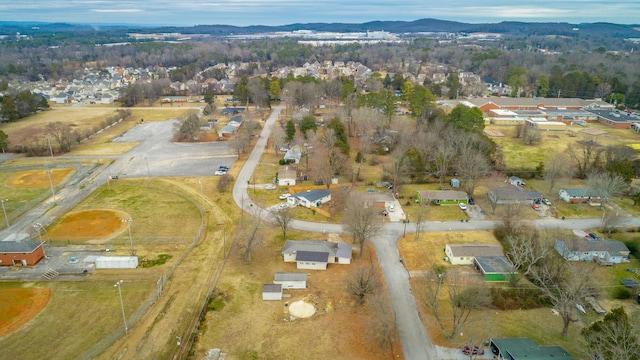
pixel 246 327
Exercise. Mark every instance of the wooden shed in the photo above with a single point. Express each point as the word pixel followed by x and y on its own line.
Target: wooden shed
pixel 271 292
pixel 291 280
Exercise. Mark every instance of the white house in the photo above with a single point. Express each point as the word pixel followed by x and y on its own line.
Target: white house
pixel 580 196
pixel 271 292
pixel 464 254
pixel 316 254
pixel 586 249
pixel 287 175
pixel 291 280
pixel 309 198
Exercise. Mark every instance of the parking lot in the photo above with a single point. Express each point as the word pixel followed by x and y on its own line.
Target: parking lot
pixel 157 155
pixel 67 263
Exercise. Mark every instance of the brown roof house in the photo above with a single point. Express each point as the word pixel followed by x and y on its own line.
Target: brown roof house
pixel 287 175
pixel 25 253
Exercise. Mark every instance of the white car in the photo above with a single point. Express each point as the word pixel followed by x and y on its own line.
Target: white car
pixel 283 206
pixel 219 173
pixel 270 187
pixel 284 196
pixel 463 206
pixel 546 202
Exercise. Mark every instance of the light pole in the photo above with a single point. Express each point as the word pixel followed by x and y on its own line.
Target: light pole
pixel 124 317
pixel 4 210
pixel 38 226
pixel 128 221
pixel 201 195
pixel 51 183
pixel 148 177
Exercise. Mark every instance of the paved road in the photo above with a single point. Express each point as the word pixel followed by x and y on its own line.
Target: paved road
pixel 415 342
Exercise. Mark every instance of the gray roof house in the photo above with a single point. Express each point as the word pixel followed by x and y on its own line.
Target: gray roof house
pixel 271 292
pixel 294 153
pixel 316 254
pixel 309 198
pixel 463 254
pixel 291 280
pixel 580 195
pixel 584 249
pixel 512 195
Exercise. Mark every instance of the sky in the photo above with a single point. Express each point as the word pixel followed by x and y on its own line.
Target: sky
pixel 283 12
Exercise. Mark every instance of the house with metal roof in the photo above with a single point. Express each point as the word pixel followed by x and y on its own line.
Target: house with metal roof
pixel 291 280
pixel 316 254
pixel 588 249
pixel 23 253
pixel 287 175
pixel 495 268
pixel 309 198
pixel 526 349
pixel 499 195
pixel 442 197
pixel 271 292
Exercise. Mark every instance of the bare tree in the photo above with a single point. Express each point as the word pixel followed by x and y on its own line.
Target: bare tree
pixel 420 216
pixel 565 284
pixel 283 218
pixel 328 163
pixel 360 221
pixel 554 168
pixel 362 282
pixel 531 135
pixel 258 91
pixel 382 324
pixel 586 156
pixel 278 137
pixel 472 166
pixel 186 129
pixel 250 236
pixel 610 220
pixel 525 248
pixel 615 337
pixel 606 184
pixel 63 134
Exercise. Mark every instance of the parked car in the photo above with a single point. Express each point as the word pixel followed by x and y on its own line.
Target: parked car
pixel 284 196
pixel 463 206
pixel 114 177
pixel 270 187
pixel 546 201
pixel 384 213
pixel 472 350
pixel 630 283
pixel 471 201
pixel 219 172
pixel 391 208
pixel 594 236
pixel 223 168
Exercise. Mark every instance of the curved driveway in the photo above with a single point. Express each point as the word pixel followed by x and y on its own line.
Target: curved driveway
pixel 415 342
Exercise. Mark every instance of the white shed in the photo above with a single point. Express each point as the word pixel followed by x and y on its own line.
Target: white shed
pixel 116 262
pixel 290 280
pixel 272 292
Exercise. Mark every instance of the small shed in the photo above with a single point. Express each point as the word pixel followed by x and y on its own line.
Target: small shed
pixel 272 292
pixel 455 183
pixel 116 262
pixel 291 280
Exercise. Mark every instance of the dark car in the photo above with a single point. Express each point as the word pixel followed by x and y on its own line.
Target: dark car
pixel 223 168
pixel 114 177
pixel 630 283
pixel 472 201
pixel 594 236
pixel 472 350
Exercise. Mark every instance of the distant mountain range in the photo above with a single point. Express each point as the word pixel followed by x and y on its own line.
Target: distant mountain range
pixel 397 27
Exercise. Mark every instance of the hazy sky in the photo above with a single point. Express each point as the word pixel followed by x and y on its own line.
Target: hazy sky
pixel 282 12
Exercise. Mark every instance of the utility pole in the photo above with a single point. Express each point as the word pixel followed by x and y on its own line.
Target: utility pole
pixel 51 183
pixel 4 210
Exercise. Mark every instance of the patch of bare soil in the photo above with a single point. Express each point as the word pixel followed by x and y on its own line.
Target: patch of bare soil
pixel 18 306
pixel 89 225
pixel 35 179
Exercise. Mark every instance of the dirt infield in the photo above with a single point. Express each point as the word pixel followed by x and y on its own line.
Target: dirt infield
pixel 33 179
pixel 18 306
pixel 89 225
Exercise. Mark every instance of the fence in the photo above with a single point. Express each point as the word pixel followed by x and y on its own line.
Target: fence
pixel 133 319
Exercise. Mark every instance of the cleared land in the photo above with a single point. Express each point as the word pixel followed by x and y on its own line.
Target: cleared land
pixel 19 306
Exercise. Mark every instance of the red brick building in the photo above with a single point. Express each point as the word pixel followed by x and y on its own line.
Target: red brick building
pixel 25 253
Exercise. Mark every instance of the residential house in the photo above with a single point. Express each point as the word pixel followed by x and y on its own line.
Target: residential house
pixel 464 254
pixel 516 181
pixel 525 349
pixel 309 198
pixel 580 196
pixel 512 195
pixel 291 280
pixel 271 292
pixel 587 249
pixel 24 253
pixel 316 254
pixel 293 154
pixel 441 197
pixel 287 175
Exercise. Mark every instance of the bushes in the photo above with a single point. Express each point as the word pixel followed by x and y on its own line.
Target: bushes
pixel 512 299
pixel 621 293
